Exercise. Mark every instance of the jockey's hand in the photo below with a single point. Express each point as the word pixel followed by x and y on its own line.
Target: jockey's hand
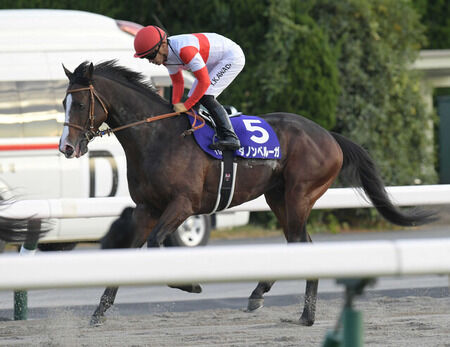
pixel 179 107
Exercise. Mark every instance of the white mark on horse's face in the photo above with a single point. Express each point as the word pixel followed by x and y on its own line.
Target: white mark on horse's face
pixel 65 133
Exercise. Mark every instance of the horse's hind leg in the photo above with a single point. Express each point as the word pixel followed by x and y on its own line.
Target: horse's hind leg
pixel 275 200
pixel 256 299
pixel 298 211
pixel 293 221
pixel 309 310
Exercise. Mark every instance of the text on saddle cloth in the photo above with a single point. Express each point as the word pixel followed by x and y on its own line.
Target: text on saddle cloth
pixel 258 139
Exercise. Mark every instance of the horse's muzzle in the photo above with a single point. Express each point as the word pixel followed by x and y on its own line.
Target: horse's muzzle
pixel 68 151
pixel 74 151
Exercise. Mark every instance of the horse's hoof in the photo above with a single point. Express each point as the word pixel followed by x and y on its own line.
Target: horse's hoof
pixel 97 321
pixel 254 304
pixel 190 288
pixel 196 288
pixel 306 321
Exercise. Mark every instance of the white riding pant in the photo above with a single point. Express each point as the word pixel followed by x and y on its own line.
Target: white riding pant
pixel 223 73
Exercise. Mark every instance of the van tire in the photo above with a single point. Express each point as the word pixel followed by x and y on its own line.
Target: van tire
pixel 195 231
pixel 57 246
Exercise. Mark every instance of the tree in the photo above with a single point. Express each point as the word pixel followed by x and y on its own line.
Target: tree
pixel 299 71
pixel 380 106
pixel 435 16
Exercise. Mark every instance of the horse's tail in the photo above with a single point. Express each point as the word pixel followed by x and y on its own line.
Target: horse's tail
pixel 362 171
pixel 121 231
pixel 17 230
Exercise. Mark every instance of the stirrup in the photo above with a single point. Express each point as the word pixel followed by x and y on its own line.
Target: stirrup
pixel 215 144
pixel 224 145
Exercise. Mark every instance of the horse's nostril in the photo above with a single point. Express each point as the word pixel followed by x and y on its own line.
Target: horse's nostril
pixel 68 150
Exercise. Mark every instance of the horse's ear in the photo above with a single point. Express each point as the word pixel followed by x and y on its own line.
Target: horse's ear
pixel 89 71
pixel 67 72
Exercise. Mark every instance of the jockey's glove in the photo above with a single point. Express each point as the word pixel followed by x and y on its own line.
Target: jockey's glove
pixel 179 107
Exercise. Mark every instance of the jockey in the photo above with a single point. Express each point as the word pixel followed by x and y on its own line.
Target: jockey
pixel 215 62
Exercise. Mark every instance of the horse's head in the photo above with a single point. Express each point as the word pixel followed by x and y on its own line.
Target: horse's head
pixel 85 111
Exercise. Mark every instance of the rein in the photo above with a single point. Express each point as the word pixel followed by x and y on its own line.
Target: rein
pixel 91 133
pixel 155 118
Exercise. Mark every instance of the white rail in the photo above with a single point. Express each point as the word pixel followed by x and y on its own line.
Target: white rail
pixel 218 264
pixel 333 198
pixel 66 208
pixel 355 198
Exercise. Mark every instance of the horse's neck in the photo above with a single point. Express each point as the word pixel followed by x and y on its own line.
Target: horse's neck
pixel 127 106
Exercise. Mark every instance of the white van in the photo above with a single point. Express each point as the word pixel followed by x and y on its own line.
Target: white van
pixel 33 46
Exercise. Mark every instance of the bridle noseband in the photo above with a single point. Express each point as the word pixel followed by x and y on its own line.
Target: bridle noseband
pixel 91 132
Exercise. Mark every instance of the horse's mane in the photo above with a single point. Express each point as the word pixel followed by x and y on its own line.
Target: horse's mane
pixel 111 70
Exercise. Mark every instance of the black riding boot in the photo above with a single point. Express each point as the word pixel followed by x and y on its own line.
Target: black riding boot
pixel 226 137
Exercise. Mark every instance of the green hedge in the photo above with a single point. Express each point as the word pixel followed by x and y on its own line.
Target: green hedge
pixel 380 106
pixel 435 15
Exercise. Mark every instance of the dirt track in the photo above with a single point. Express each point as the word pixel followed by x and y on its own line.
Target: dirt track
pixel 406 321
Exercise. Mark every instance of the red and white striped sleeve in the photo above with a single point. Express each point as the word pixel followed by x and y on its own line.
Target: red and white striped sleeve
pixel 193 60
pixel 177 86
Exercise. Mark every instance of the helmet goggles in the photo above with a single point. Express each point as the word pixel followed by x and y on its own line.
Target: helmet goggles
pixel 153 54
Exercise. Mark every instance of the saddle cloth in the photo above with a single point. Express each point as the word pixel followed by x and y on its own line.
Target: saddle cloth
pixel 258 140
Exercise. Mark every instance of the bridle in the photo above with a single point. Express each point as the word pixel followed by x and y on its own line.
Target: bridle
pixel 90 133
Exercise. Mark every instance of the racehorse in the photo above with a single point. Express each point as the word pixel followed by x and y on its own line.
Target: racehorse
pixel 170 178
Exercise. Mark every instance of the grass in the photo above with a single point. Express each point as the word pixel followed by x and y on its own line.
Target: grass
pixel 255 231
pixel 245 231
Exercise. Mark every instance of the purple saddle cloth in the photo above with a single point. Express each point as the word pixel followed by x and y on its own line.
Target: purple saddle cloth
pixel 258 140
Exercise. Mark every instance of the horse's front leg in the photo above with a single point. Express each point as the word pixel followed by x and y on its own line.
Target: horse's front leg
pixel 125 232
pixel 106 301
pixel 176 212
pixel 173 216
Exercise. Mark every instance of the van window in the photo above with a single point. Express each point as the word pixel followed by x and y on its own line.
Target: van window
pixel 34 108
pixel 31 108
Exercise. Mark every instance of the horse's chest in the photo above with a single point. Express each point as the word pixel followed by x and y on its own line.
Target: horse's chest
pixel 149 189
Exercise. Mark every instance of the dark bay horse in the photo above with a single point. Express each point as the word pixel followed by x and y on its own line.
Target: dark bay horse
pixel 170 178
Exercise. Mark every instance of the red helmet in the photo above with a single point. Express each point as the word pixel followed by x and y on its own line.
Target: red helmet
pixel 147 39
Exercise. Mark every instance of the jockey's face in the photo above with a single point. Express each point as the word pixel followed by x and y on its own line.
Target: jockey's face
pixel 161 55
